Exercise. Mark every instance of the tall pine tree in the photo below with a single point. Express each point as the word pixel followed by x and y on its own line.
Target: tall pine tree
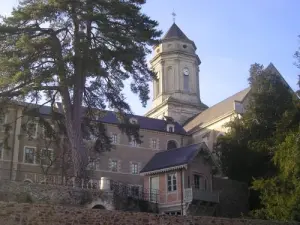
pixel 80 52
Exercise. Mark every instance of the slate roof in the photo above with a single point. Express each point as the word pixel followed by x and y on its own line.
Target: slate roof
pixel 172 158
pixel 144 122
pixel 216 111
pixel 43 109
pixel 175 32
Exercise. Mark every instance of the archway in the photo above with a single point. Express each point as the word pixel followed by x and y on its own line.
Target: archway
pixel 171 144
pixel 98 207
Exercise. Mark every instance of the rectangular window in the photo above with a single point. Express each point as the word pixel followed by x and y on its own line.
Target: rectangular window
pixel 46 156
pixel 154 143
pixel 91 164
pixel 172 184
pixel 48 132
pixel 134 143
pixel 199 182
pixel 114 165
pixel 114 138
pixel 31 129
pixel 2 121
pixel 29 154
pixel 134 168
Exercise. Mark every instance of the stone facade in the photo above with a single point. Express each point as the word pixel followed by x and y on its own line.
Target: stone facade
pixel 80 197
pixel 126 155
pixel 40 214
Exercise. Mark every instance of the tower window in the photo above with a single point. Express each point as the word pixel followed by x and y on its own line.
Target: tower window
pixel 186 83
pixel 157 87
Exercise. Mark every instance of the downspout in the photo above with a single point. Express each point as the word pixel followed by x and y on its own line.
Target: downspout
pixel 181 173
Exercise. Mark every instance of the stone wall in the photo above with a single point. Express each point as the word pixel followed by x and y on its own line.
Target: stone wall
pixel 42 214
pixel 64 195
pixel 233 197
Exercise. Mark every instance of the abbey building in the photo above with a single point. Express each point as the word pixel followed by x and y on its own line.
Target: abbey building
pixel 173 166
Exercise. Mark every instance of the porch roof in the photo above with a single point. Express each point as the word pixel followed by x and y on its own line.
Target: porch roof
pixel 174 158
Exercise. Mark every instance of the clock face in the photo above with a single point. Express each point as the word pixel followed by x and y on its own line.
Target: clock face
pixel 186 71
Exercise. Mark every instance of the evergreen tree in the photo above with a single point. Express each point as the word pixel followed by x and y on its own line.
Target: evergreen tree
pixel 280 194
pixel 246 151
pixel 80 52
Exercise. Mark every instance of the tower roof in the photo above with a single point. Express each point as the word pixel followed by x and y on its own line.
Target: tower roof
pixel 175 32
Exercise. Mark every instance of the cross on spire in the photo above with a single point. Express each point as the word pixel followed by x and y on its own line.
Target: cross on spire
pixel 174 16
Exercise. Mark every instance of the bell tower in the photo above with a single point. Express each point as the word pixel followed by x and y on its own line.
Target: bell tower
pixel 176 91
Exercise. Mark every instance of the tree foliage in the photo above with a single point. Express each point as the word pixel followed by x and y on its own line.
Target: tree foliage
pixel 280 194
pixel 247 151
pixel 79 52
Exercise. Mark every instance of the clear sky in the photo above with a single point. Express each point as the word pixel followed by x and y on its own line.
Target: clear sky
pixel 230 35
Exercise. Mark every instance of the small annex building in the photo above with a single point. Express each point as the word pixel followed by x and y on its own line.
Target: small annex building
pixel 183 177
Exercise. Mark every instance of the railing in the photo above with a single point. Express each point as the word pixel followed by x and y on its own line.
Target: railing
pixel 191 194
pixel 121 189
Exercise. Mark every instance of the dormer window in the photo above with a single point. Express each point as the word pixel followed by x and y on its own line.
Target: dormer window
pixel 133 121
pixel 170 128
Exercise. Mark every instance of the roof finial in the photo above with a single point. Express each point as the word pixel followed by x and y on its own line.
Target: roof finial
pixel 174 16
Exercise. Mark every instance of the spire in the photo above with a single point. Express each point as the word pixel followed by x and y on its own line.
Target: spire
pixel 175 32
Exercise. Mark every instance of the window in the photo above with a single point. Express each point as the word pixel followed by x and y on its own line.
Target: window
pixel 2 121
pixel 29 155
pixel 199 182
pixel 114 138
pixel 48 132
pixel 31 128
pixel 134 168
pixel 172 186
pixel 1 150
pixel 170 128
pixel 186 83
pixel 133 121
pixel 134 143
pixel 46 156
pixel 91 164
pixel 114 165
pixel 154 143
pixel 171 144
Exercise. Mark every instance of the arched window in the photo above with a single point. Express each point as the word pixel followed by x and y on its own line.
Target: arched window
pixel 156 83
pixel 186 83
pixel 171 144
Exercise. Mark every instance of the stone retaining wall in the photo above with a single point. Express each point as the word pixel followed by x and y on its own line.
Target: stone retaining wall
pixel 64 195
pixel 42 214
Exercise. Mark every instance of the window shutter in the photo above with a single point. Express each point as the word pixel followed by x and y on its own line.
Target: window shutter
pixel 130 167
pixel 109 164
pixel 157 144
pixel 119 165
pixel 118 138
pixel 139 167
pixel 150 142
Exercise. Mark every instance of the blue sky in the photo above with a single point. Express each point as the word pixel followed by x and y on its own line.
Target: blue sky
pixel 230 35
